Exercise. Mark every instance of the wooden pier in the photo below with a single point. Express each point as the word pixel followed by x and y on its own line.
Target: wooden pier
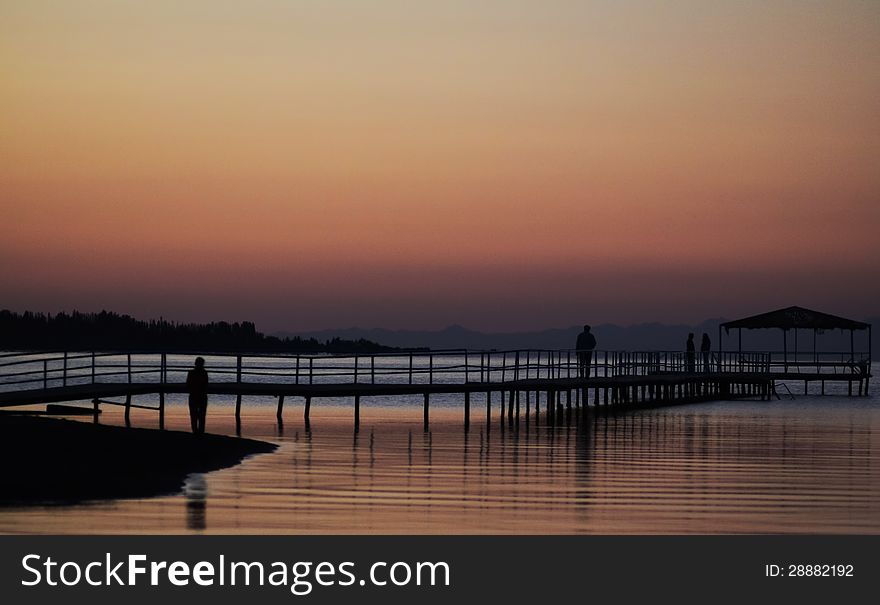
pixel 542 383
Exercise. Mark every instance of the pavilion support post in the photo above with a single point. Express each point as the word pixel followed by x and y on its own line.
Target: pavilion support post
pixel 852 345
pixel 307 409
pixel 128 410
pixel 785 349
pixel 238 408
pixel 162 410
pixel 467 411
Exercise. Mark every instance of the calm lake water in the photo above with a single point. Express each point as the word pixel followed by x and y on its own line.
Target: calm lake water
pixel 811 464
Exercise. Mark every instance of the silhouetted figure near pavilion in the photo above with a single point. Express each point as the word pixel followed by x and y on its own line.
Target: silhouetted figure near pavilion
pixel 197 386
pixel 691 354
pixel 586 342
pixel 705 349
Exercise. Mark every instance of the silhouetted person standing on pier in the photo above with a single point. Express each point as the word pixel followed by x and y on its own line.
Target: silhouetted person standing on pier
pixel 197 386
pixel 691 354
pixel 705 349
pixel 586 342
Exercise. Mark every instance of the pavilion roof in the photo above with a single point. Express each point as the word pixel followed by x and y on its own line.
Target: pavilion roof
pixel 797 318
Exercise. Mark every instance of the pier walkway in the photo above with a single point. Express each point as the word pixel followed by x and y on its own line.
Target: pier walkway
pixel 520 379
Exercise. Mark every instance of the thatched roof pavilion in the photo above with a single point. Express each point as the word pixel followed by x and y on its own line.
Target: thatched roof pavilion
pixel 798 318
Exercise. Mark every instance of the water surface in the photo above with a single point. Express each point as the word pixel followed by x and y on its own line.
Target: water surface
pixel 804 465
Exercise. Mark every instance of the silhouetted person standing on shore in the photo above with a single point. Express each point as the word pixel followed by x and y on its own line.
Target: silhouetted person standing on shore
pixel 705 348
pixel 586 342
pixel 691 354
pixel 197 385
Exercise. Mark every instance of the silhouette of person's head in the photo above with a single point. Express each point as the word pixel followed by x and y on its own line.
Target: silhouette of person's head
pixel 586 327
pixel 200 362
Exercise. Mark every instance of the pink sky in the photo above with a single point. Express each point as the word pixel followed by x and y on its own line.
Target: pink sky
pixel 512 165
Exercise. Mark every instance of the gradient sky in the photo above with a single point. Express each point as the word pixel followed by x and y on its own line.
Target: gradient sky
pixel 403 163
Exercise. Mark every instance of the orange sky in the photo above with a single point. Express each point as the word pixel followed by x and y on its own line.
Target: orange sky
pixel 310 164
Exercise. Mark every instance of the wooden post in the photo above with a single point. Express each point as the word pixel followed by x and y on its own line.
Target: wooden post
pixel 357 413
pixel 430 368
pixel 427 400
pixel 467 410
pixel 129 368
pixel 93 368
pixel 516 366
pixel 238 369
pixel 97 410
pixel 488 410
pixel 238 408
pixel 466 368
pixel 311 367
pixel 372 369
pixel 45 374
pixel 784 349
pixel 410 368
pixel 128 410
pixel 162 410
pixel 355 369
pixel 306 409
pixel 517 405
pixel 64 376
pixel 297 368
pixel 280 408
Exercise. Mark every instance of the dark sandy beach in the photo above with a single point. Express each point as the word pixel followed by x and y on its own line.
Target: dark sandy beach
pixel 48 460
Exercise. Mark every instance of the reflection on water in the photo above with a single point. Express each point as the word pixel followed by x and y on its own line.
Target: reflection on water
pixel 808 465
pixel 195 490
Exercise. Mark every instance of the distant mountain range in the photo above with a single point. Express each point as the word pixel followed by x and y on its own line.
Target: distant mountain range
pixel 646 336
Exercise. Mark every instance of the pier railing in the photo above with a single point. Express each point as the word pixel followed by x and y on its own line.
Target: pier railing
pixel 25 371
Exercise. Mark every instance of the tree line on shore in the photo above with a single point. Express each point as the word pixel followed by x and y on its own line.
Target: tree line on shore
pixel 111 331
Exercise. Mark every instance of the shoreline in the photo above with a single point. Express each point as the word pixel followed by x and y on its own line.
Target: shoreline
pixel 51 461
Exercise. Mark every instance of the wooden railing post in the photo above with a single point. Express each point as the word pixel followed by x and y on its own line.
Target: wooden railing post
pixel 430 368
pixel 64 375
pixel 297 369
pixel 516 366
pixel 93 367
pixel 238 369
pixel 129 368
pixel 372 369
pixel 466 368
pixel 45 373
pixel 311 368
pixel 356 363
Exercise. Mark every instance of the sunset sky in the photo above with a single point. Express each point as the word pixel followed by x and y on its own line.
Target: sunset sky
pixel 502 164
